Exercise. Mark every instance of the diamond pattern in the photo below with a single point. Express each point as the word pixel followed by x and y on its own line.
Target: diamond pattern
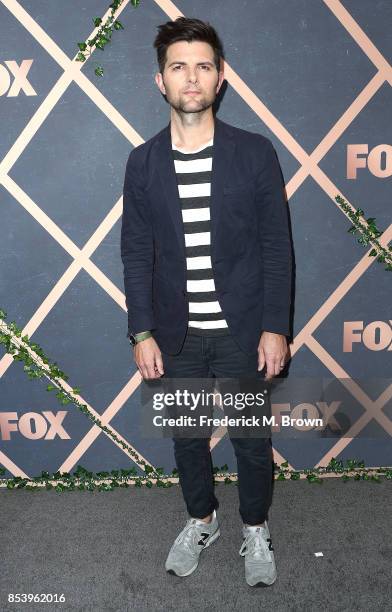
pixel 81 250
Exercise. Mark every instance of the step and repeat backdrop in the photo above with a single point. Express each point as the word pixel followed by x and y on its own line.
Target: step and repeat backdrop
pixel 315 77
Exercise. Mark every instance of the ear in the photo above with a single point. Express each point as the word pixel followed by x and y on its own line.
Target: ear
pixel 221 78
pixel 159 82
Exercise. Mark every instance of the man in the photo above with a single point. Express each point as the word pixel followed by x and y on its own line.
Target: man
pixel 207 274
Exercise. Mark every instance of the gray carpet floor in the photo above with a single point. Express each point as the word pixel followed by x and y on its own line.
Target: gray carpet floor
pixel 106 551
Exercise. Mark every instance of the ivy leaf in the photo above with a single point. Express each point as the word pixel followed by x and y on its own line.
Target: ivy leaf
pixel 97 21
pixel 118 25
pixel 80 57
pixel 135 3
pixel 82 46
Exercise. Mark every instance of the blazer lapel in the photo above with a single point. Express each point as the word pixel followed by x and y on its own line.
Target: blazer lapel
pixel 222 155
pixel 223 149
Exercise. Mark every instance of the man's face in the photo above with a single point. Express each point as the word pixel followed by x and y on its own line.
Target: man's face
pixel 190 79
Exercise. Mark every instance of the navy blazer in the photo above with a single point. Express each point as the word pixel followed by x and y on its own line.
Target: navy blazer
pixel 250 241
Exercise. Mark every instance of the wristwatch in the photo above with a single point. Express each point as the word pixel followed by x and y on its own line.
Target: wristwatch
pixel 135 338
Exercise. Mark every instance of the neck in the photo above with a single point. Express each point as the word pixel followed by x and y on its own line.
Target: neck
pixel 191 130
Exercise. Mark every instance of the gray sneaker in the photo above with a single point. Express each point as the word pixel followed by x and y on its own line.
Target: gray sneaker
pixel 260 568
pixel 184 555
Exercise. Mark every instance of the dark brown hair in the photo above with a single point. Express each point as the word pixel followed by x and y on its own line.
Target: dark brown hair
pixel 189 29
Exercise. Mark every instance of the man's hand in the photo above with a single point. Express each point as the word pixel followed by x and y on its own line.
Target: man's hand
pixel 148 358
pixel 272 352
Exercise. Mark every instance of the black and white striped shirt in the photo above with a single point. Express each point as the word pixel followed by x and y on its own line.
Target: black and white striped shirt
pixel 193 171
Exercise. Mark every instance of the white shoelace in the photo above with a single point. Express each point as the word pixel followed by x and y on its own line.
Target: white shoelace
pixel 188 534
pixel 255 545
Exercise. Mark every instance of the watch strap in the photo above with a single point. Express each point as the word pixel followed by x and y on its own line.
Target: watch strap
pixel 142 336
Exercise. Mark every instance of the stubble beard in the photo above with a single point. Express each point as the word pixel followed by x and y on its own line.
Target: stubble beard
pixel 182 107
pixel 179 104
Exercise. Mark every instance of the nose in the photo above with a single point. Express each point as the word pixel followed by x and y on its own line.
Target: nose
pixel 192 75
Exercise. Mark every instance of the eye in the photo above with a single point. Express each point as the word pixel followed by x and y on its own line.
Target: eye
pixel 206 66
pixel 178 66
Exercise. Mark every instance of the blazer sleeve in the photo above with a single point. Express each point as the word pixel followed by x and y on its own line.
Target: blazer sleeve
pixel 275 244
pixel 137 251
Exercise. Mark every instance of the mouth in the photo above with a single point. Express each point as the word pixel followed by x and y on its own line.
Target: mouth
pixel 192 92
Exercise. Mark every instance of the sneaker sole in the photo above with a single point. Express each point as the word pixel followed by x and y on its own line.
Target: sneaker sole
pixel 210 541
pixel 262 584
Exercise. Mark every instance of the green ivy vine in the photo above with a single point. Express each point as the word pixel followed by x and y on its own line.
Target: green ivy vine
pixel 368 233
pixel 84 480
pixel 38 365
pixel 103 35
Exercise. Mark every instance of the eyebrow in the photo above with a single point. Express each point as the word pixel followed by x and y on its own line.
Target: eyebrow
pixel 198 63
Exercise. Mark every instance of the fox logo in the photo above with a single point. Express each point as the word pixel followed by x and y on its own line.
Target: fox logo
pixel 20 82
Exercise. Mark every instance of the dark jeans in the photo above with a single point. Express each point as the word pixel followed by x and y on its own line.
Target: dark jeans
pixel 209 357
